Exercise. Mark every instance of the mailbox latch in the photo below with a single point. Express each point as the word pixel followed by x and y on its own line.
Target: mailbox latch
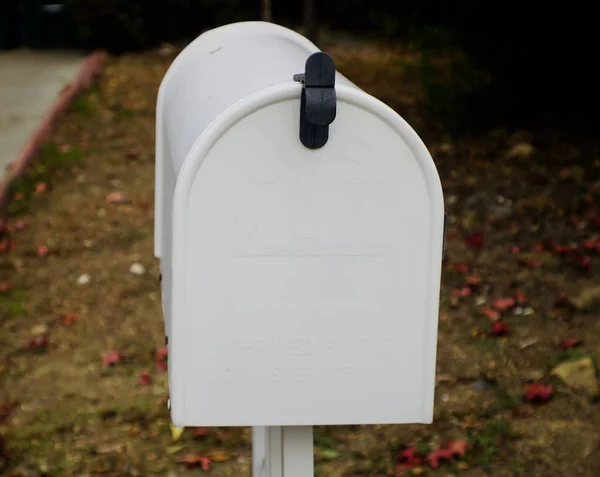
pixel 318 100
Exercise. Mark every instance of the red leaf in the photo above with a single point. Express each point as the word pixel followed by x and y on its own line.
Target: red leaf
pixel 195 460
pixel 42 251
pixel 503 303
pixel 530 263
pixel 562 301
pixel 407 455
pixel 515 249
pixel 590 244
pixel 68 318
pixel 520 297
pixel 4 287
pixel 434 457
pixel 161 365
pixel 462 292
pixel 462 267
pixel 489 312
pixel 201 432
pixel 570 343
pixel 539 247
pixel 500 329
pixel 538 392
pixel 19 225
pixel 161 354
pixel 561 249
pixel 457 447
pixel 145 378
pixel 39 342
pixel 132 154
pixel 407 459
pixel 475 239
pixel 111 358
pixel 584 263
pixel 41 187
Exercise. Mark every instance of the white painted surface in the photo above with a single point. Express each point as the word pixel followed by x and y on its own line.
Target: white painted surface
pixel 303 285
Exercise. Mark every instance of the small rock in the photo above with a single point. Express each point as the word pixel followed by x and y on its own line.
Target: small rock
pixel 137 269
pixel 520 150
pixel 579 375
pixel 89 243
pixel 83 279
pixel 38 330
pixel 528 311
pixel 480 300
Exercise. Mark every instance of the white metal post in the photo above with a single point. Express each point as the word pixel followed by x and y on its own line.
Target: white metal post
pixel 282 451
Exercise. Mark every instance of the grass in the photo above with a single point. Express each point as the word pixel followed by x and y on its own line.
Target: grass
pixel 486 441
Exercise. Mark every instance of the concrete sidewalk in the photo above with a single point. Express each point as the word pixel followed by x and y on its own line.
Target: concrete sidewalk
pixel 30 83
pixel 35 89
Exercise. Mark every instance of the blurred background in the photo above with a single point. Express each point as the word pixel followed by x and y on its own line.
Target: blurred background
pixel 504 95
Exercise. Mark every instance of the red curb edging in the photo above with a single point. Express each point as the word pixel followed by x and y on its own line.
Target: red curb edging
pixel 91 66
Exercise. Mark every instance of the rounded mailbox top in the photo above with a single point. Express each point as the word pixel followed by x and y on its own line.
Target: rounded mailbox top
pixel 218 70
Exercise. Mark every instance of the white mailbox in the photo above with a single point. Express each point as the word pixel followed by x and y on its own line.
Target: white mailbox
pixel 299 227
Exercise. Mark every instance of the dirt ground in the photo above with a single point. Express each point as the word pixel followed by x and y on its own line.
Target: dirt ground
pixel 83 392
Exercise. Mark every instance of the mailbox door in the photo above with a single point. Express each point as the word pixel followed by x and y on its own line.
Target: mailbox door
pixel 305 282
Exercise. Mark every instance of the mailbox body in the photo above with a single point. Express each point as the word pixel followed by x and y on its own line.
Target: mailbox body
pixel 300 286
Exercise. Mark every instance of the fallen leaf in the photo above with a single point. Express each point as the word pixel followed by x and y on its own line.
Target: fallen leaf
pixel 174 449
pixel 161 365
pixel 111 358
pixel 520 297
pixel 588 299
pixel 37 343
pixel 4 287
pixel 461 267
pixel 115 198
pixel 68 318
pixel 145 378
pixel 132 154
pixel 201 432
pixel 196 460
pixel 490 313
pixel 570 343
pixel 19 225
pixel 503 303
pixel 457 447
pixel 579 375
pixel 41 187
pixel 475 239
pixel 161 354
pixel 408 459
pixel 462 292
pixel 436 456
pixel 561 249
pixel 474 280
pixel 218 455
pixel 500 329
pixel 42 251
pixel 591 244
pixel 538 391
pixel 176 432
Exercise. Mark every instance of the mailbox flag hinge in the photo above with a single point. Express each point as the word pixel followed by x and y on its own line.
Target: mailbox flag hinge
pixel 318 100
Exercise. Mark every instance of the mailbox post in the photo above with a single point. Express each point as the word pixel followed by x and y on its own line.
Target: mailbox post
pixel 299 224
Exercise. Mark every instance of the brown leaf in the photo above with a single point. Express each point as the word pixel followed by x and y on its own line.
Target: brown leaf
pixel 218 455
